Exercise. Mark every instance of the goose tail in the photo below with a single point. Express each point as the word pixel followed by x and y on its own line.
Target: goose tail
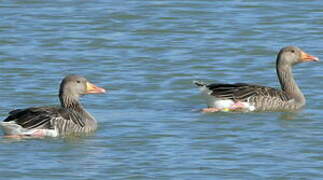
pixel 200 83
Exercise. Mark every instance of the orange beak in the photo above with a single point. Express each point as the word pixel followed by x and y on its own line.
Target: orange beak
pixel 93 89
pixel 306 57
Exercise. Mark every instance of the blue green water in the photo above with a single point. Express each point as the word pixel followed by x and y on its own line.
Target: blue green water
pixel 146 54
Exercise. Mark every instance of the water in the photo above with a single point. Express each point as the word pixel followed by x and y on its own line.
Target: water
pixel 146 53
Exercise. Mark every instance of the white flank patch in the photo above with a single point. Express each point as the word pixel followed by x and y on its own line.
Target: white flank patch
pixel 214 102
pixel 222 103
pixel 42 132
pixel 248 106
pixel 11 128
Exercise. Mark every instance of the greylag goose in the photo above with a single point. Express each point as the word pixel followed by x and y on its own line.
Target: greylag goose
pixel 69 118
pixel 249 97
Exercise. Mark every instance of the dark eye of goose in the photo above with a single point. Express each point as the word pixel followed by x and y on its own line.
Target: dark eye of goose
pixel 293 51
pixel 78 81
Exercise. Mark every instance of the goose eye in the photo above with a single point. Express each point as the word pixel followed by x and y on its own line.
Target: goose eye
pixel 78 81
pixel 293 51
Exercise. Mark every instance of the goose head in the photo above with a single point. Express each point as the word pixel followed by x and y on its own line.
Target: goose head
pixel 76 86
pixel 292 55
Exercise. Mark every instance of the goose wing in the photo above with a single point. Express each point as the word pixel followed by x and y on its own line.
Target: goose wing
pixel 43 117
pixel 242 91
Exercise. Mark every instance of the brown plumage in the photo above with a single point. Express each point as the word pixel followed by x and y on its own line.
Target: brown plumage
pixel 69 118
pixel 263 98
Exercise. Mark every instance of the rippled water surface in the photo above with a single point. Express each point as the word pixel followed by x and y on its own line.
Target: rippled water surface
pixel 146 53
